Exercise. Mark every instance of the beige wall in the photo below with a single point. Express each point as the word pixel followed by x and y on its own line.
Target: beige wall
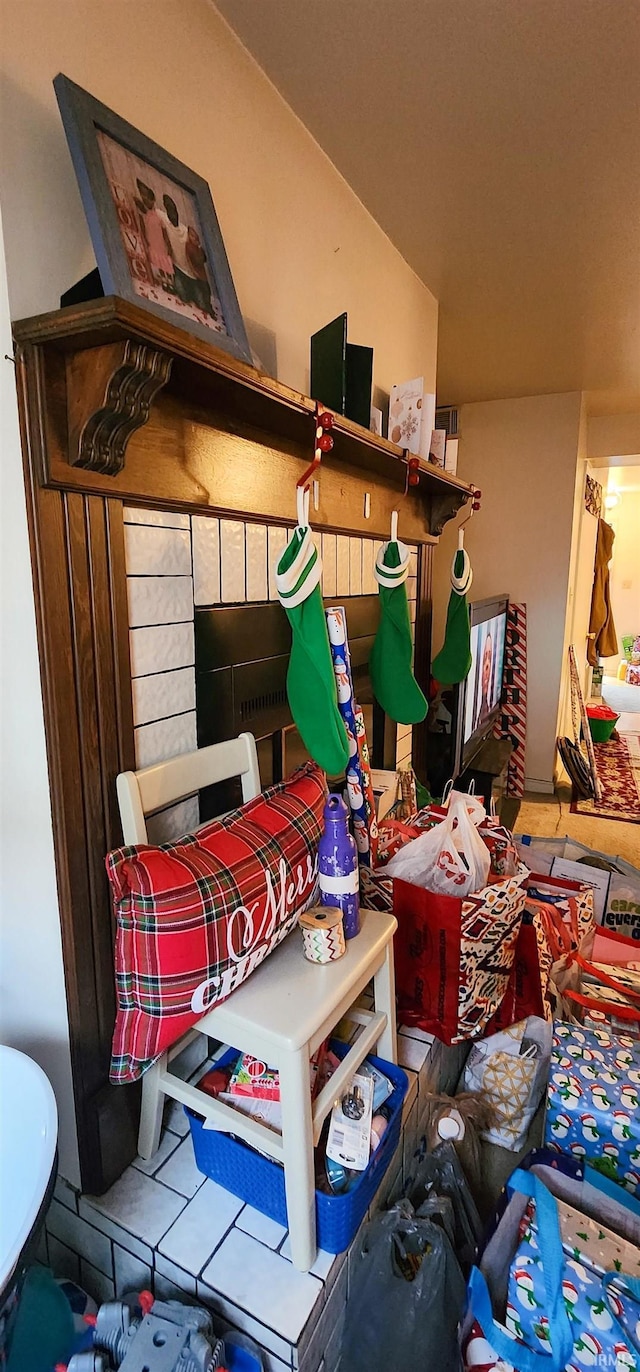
pixel 33 1007
pixel 624 519
pixel 302 248
pixel 523 456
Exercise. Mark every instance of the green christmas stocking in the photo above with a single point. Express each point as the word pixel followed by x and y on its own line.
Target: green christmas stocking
pixel 311 682
pixel 394 685
pixel 453 662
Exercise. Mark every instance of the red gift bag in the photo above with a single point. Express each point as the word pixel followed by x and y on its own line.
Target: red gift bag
pixel 551 929
pixel 543 938
pixel 453 956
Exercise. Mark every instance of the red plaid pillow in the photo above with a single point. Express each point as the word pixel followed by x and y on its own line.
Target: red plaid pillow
pixel 196 917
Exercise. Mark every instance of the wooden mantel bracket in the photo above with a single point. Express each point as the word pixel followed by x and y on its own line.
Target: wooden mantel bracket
pixel 444 506
pixel 110 390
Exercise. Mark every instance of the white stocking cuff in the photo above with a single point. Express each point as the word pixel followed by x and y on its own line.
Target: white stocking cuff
pixel 301 578
pixel 392 576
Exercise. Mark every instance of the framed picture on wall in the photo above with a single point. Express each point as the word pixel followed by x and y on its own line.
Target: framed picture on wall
pixel 153 226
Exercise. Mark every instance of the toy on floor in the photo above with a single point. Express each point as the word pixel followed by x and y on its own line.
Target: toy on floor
pixel 152 1336
pixel 141 1334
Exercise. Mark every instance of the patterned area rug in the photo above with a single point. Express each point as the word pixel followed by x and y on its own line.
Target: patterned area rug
pixel 618 764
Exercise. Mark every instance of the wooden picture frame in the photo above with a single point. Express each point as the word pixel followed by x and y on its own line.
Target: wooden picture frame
pixel 152 222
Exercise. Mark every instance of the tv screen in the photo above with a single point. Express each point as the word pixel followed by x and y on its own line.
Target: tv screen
pixel 483 687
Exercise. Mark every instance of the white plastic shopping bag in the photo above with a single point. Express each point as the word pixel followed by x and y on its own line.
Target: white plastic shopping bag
pixel 450 859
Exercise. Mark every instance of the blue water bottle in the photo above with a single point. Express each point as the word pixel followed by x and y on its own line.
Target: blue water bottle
pixel 338 865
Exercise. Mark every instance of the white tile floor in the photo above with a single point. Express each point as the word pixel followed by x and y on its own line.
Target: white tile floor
pixel 166 1227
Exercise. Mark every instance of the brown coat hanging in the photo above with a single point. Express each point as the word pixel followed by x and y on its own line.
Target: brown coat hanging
pixel 603 641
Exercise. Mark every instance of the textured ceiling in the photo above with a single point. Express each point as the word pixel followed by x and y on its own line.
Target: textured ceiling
pixel 497 142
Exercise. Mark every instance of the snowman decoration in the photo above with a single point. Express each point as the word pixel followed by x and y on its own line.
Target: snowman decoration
pixel 479 1356
pixel 588 1071
pixel 353 747
pixel 600 1314
pixel 579 1270
pixel 542 1332
pixel 571 1295
pixel 512 1322
pixel 561 1126
pixel 354 789
pixel 629 1097
pixel 361 835
pixel 624 1059
pixel 578 1151
pixel 625 1361
pixel 342 681
pixel 615 1304
pixel 569 1088
pixel 524 1288
pixel 634 1075
pixel 587 1350
pixel 590 1129
pixel 631 1181
pixel 599 1097
pixel 620 1128
pixel 336 627
pixel 610 1151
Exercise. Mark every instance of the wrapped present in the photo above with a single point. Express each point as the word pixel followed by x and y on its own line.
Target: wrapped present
pixel 603 1318
pixel 590 1243
pixel 536 1302
pixel 367 784
pixel 593 1107
pixel 359 788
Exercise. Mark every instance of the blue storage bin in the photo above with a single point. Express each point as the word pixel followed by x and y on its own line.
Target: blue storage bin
pixel 260 1181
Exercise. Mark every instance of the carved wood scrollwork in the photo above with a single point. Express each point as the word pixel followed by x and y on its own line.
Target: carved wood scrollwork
pixel 110 390
pixel 443 508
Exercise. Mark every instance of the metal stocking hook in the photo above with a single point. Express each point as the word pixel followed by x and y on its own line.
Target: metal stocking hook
pixel 411 478
pixel 476 497
pixel 323 444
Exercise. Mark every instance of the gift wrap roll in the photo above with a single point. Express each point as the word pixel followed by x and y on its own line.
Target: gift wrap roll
pixel 356 778
pixel 323 934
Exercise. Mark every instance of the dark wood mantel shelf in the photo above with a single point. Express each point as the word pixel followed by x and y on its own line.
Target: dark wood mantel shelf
pixel 142 410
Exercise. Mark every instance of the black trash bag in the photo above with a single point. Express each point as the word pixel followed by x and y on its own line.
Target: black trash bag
pixel 406 1297
pixel 441 1173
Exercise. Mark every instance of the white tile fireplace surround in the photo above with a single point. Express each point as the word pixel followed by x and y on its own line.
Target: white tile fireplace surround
pixel 176 562
pixel 163 1226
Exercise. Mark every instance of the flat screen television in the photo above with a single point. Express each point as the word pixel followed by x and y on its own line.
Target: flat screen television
pixel 463 716
pixel 480 695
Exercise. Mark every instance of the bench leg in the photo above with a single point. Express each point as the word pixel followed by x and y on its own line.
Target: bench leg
pixel 297 1144
pixel 151 1112
pixel 384 993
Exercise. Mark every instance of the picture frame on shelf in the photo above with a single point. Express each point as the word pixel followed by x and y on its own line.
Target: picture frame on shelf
pixel 152 222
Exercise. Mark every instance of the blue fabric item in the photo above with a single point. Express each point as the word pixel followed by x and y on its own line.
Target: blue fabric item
pixel 602 1310
pixel 561 1337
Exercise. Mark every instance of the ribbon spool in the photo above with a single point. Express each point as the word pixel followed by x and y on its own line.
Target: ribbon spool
pixel 323 934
